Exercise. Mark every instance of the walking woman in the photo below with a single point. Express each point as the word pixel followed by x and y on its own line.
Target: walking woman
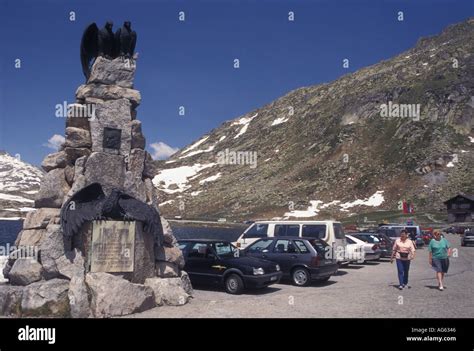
pixel 439 252
pixel 404 251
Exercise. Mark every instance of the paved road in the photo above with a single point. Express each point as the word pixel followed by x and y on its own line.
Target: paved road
pixel 368 290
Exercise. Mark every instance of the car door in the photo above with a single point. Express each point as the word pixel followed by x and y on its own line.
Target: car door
pixel 260 248
pixel 285 253
pixel 199 263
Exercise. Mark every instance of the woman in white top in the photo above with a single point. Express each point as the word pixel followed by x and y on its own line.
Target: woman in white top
pixel 404 251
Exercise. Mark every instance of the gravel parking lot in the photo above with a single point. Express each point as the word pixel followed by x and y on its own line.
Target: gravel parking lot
pixel 366 290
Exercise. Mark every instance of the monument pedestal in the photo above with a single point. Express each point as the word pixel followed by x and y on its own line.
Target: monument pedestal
pixel 108 268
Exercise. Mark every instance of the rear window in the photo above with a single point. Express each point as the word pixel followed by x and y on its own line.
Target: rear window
pixel 287 230
pixel 319 246
pixel 257 231
pixel 339 231
pixel 317 231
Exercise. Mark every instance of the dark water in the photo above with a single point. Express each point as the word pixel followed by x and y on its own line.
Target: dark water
pixel 10 229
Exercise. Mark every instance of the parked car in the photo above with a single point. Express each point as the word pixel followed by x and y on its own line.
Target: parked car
pixel 355 252
pixel 330 231
pixel 385 244
pixel 455 230
pixel 302 260
pixel 468 237
pixel 218 262
pixel 393 231
pixel 372 251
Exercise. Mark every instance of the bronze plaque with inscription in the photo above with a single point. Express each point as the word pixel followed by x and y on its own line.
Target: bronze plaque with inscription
pixel 113 246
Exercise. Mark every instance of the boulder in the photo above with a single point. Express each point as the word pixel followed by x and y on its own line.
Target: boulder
pixel 25 271
pixel 170 254
pixel 40 218
pixel 46 298
pixel 52 190
pixel 138 139
pixel 150 170
pixel 187 286
pixel 113 296
pixel 78 116
pixel 166 269
pixel 54 160
pixel 78 295
pixel 30 237
pixel 112 114
pixel 77 138
pixel 133 183
pixel 79 177
pixel 74 153
pixel 118 72
pixel 52 247
pixel 71 264
pixel 168 291
pixel 10 300
pixel 168 236
pixel 106 169
pixel 108 92
pixel 69 174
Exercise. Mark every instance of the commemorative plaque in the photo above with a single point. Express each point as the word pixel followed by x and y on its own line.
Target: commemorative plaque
pixel 113 246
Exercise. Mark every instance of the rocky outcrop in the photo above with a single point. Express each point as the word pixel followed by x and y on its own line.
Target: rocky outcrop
pixel 53 189
pixel 169 291
pixel 113 72
pixel 56 160
pixel 106 302
pixel 10 300
pixel 46 298
pixel 25 271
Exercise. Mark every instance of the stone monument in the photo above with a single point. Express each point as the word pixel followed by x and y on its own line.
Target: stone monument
pixel 111 266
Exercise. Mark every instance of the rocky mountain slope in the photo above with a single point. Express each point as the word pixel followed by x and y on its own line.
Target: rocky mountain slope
pixel 343 147
pixel 19 182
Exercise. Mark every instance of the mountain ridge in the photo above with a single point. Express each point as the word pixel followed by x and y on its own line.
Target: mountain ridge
pixel 328 144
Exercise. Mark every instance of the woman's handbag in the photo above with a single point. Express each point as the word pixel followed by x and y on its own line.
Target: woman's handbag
pixel 403 254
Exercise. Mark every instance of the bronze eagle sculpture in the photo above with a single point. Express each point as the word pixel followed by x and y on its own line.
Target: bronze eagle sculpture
pixel 103 42
pixel 90 203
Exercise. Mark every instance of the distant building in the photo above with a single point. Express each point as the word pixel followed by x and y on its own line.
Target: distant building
pixel 460 208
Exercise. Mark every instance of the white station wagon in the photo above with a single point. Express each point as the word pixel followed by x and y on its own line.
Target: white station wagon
pixel 329 231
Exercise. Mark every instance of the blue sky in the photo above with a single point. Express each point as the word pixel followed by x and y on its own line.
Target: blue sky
pixel 190 63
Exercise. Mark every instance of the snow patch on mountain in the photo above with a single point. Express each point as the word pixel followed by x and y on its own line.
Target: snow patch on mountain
pixel 245 121
pixel 175 180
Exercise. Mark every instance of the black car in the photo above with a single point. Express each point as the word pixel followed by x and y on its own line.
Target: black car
pixel 301 259
pixel 218 262
pixel 383 240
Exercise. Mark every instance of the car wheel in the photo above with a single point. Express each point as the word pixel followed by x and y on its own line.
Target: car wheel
pixel 300 276
pixel 234 284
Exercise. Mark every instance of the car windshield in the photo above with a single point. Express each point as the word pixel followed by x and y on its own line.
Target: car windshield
pixel 225 249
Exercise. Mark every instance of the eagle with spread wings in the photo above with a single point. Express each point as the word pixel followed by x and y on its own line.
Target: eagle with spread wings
pixel 91 203
pixel 103 42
